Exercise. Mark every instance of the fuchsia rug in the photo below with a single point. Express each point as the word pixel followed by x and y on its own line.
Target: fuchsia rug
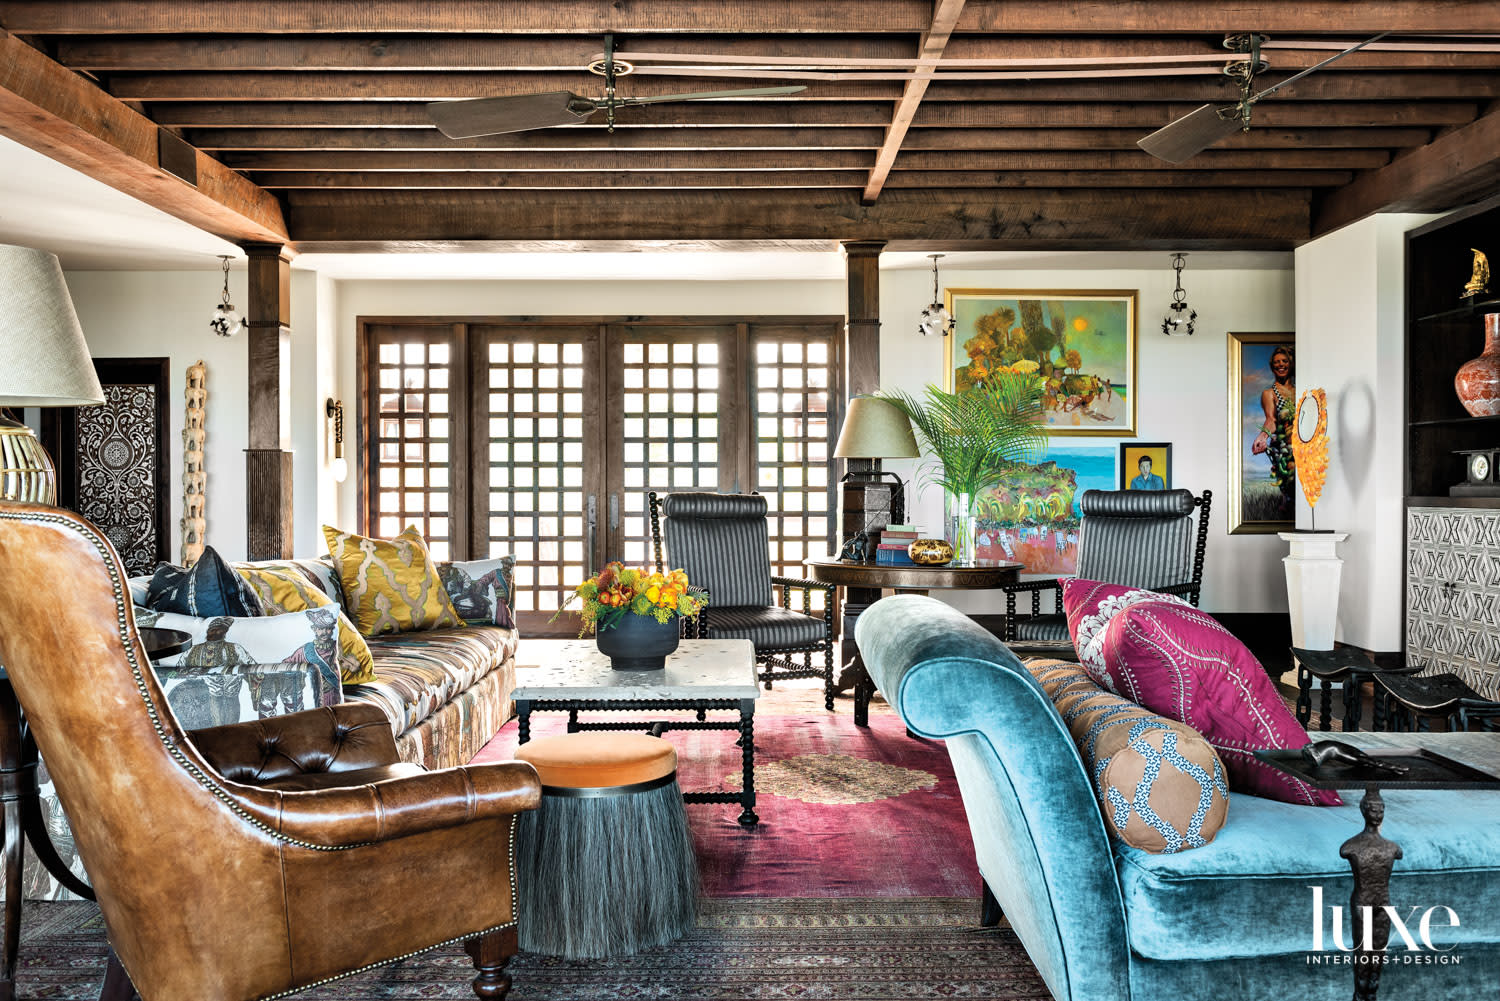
pixel 845 811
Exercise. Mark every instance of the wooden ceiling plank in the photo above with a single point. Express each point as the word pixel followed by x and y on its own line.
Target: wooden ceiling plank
pixel 695 160
pixel 794 114
pixel 591 17
pixel 945 15
pixel 1031 218
pixel 60 114
pixel 812 138
pixel 398 85
pixel 528 180
pixel 1022 17
pixel 1453 169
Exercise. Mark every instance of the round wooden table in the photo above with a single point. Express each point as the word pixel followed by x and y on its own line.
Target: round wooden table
pixel 862 584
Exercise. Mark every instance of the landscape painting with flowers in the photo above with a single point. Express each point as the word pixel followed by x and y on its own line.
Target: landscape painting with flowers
pixel 1080 343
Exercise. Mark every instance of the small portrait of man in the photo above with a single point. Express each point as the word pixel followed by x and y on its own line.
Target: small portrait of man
pixel 1145 467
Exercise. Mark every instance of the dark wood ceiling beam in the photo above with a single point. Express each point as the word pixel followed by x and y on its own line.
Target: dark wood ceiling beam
pixel 934 40
pixel 1023 17
pixel 590 17
pixel 828 159
pixel 1458 167
pixel 306 53
pixel 532 180
pixel 60 114
pixel 413 86
pixel 1033 218
pixel 793 114
pixel 573 137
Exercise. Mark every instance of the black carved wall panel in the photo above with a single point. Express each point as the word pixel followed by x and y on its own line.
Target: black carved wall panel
pixel 112 460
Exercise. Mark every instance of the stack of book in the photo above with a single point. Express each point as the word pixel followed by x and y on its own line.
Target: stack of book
pixel 891 543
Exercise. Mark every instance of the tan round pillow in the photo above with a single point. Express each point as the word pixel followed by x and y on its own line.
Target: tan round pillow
pixel 1160 784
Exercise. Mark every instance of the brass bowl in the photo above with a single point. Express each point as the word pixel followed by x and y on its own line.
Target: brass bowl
pixel 930 552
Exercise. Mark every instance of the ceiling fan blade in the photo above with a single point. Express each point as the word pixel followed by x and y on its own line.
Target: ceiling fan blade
pixel 705 95
pixel 1192 133
pixel 489 116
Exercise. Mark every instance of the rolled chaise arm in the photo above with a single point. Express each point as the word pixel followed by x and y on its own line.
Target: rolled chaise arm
pixel 1039 836
pixel 1035 588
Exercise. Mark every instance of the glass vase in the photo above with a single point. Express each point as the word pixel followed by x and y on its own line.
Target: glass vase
pixel 962 526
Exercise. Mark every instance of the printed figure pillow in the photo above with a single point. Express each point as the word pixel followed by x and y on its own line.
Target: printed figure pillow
pixel 1160 784
pixel 223 643
pixel 209 587
pixel 284 588
pixel 478 590
pixel 390 586
pixel 1163 654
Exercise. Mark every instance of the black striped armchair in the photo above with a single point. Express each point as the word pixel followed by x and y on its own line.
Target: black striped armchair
pixel 1136 538
pixel 722 541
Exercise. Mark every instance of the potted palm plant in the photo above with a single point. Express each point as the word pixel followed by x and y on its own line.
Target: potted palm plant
pixel 974 436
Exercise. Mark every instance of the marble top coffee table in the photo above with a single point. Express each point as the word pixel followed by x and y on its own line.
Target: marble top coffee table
pixel 573 676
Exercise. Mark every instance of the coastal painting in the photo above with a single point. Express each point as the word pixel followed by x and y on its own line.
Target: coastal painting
pixel 1081 343
pixel 1033 516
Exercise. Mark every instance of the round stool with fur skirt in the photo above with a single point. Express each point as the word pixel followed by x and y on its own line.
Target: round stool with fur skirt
pixel 605 866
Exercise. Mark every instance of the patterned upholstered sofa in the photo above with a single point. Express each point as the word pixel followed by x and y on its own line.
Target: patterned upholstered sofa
pixel 446 692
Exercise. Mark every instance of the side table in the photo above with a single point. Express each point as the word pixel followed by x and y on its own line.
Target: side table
pixel 862 584
pixel 1372 856
pixel 1341 666
pixel 1408 697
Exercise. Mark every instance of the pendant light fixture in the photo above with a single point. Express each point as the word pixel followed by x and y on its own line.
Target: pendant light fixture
pixel 935 321
pixel 227 321
pixel 1180 316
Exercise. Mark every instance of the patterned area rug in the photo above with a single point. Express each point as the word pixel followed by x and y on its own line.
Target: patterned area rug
pixel 845 811
pixel 862 950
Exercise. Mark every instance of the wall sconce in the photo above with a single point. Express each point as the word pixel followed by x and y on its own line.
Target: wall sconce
pixel 935 321
pixel 1174 324
pixel 226 322
pixel 338 466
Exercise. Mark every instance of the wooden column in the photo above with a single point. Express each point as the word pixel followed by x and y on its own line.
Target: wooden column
pixel 862 334
pixel 268 463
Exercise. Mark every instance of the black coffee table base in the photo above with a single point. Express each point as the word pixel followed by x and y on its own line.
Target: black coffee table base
pixel 745 725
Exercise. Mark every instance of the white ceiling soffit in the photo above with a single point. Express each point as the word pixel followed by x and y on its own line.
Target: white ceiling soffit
pixel 91 226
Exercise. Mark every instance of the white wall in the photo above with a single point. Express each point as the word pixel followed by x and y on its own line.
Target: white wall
pixel 1351 300
pixel 1182 396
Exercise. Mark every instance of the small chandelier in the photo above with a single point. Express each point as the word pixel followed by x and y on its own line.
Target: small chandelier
pixel 1175 323
pixel 935 321
pixel 226 322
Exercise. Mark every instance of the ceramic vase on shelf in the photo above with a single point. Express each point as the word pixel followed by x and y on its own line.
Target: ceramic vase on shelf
pixel 961 529
pixel 1478 379
pixel 639 642
pixel 1313 569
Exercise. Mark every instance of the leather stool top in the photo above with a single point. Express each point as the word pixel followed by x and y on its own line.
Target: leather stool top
pixel 599 759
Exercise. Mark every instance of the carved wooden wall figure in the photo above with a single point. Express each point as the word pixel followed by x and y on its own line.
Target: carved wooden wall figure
pixel 194 479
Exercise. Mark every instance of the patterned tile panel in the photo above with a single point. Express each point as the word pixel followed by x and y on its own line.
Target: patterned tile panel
pixel 1453 593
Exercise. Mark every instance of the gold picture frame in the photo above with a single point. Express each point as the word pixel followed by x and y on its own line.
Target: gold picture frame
pixel 1083 341
pixel 1262 473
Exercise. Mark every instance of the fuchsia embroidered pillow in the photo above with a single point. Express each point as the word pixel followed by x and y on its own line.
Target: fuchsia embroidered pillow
pixel 1162 653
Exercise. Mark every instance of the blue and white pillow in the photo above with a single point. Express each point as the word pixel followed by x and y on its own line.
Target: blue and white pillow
pixel 480 590
pixel 210 587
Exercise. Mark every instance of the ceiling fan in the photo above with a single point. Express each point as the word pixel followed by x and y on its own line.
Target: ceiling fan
pixel 488 116
pixel 1195 132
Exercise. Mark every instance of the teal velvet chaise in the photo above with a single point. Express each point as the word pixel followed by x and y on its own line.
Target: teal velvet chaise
pixel 1228 921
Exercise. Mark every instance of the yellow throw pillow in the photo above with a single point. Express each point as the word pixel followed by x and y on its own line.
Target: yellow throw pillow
pixel 284 589
pixel 391 587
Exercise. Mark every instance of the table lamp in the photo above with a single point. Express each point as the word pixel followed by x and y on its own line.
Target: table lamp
pixel 873 429
pixel 47 364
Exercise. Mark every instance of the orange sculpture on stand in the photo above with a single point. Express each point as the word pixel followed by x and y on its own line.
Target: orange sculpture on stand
pixel 1311 454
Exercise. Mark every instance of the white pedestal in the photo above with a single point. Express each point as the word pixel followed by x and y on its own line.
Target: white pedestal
pixel 1312 586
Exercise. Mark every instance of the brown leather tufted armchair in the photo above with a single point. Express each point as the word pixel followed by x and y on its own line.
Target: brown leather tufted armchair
pixel 246 861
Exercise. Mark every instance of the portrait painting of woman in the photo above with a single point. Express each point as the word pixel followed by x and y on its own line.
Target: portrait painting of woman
pixel 1263 406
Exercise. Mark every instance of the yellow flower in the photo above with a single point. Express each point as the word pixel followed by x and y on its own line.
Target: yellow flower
pixel 653 593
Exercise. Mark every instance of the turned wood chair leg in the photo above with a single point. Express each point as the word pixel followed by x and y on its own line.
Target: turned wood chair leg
pixel 491 952
pixel 117 985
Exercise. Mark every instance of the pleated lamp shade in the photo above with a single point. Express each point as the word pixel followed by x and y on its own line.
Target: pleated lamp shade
pixel 46 364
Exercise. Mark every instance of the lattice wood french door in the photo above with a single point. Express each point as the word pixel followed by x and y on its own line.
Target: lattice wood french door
pixel 542 437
